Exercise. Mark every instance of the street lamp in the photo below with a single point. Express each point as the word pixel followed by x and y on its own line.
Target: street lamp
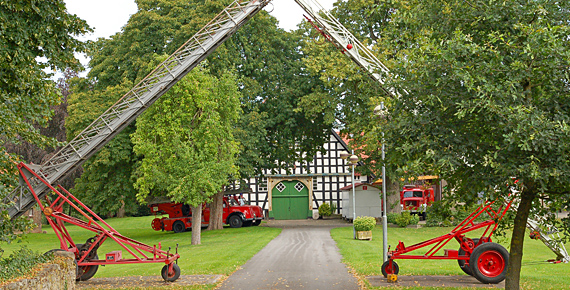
pixel 352 159
pixel 380 111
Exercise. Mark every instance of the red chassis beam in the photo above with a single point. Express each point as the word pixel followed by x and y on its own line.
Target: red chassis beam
pixel 57 219
pixel 458 233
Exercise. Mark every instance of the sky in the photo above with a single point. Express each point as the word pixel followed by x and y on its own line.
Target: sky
pixel 108 16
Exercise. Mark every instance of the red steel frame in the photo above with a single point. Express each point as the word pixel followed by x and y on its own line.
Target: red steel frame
pixel 56 218
pixel 458 233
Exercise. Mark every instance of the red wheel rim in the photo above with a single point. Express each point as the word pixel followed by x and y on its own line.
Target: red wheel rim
pixel 491 263
pixel 389 268
pixel 156 224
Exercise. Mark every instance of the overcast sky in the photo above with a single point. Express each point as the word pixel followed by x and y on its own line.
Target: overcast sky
pixel 108 16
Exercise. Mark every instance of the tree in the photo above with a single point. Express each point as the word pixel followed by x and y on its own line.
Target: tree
pixel 30 31
pixel 266 60
pixel 186 142
pixel 488 99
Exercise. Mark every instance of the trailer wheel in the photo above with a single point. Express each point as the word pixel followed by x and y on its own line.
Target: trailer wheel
pixel 85 273
pixel 178 227
pixel 489 262
pixel 390 267
pixel 463 264
pixel 170 277
pixel 235 221
pixel 156 224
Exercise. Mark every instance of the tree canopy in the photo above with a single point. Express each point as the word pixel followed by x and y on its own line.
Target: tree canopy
pixel 271 79
pixel 488 99
pixel 34 36
pixel 186 139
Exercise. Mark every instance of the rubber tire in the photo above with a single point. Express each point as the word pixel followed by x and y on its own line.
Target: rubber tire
pixel 235 221
pixel 90 272
pixel 256 223
pixel 247 223
pixel 178 227
pixel 491 251
pixel 462 263
pixel 164 273
pixel 386 270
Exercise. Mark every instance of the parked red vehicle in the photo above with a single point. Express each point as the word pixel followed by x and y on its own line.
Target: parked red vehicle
pixel 416 199
pixel 237 213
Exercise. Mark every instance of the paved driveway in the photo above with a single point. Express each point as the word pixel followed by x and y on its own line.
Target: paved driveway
pixel 303 256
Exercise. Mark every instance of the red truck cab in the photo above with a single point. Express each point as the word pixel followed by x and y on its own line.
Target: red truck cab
pixel 236 213
pixel 416 199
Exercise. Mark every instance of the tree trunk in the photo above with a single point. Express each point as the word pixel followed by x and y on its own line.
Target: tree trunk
pixel 37 218
pixel 216 211
pixel 196 224
pixel 121 212
pixel 517 240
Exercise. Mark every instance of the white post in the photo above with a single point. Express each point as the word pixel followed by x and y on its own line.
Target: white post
pixel 353 200
pixel 384 218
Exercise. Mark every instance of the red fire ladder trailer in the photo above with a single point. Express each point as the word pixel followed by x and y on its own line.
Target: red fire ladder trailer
pixel 37 181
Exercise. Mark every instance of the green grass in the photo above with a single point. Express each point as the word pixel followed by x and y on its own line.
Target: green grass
pixel 365 257
pixel 221 251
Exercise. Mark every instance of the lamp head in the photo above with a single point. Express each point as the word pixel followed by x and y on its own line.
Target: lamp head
pixel 353 159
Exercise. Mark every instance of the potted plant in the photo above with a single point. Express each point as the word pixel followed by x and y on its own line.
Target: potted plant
pixel 363 227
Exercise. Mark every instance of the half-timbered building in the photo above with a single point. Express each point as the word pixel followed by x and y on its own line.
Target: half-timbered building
pixel 298 194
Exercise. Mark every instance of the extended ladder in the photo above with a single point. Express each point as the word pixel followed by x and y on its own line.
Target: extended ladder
pixel 349 45
pixel 133 103
pixel 550 236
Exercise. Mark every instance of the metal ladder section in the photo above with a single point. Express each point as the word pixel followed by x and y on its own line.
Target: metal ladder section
pixel 341 38
pixel 550 236
pixel 134 103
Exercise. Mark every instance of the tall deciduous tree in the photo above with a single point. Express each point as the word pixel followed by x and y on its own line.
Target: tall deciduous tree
pixel 29 31
pixel 186 140
pixel 488 99
pixel 266 60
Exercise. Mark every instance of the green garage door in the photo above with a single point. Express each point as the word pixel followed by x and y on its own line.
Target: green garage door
pixel 290 200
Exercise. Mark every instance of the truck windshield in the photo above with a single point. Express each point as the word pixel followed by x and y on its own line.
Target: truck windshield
pixel 412 194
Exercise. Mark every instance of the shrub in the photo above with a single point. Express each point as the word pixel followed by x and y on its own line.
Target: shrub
pixel 20 263
pixel 391 217
pixel 333 207
pixel 325 209
pixel 364 223
pixel 405 219
pixel 444 214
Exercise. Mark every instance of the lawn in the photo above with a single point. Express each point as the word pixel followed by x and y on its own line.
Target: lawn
pixel 221 251
pixel 365 257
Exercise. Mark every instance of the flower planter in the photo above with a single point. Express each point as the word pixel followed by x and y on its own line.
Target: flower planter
pixel 364 235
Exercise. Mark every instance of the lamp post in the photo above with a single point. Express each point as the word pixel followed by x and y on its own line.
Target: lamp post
pixel 353 159
pixel 380 111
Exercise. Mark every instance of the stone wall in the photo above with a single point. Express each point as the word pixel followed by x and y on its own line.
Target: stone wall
pixel 58 275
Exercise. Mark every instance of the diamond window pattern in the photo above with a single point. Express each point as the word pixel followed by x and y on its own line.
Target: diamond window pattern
pixel 299 186
pixel 280 186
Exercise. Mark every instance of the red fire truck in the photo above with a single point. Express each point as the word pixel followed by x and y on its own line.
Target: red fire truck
pixel 416 199
pixel 236 213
